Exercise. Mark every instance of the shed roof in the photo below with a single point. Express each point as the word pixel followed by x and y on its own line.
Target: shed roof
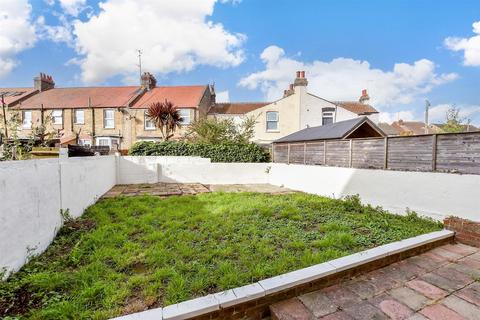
pixel 338 130
pixel 357 107
pixel 12 95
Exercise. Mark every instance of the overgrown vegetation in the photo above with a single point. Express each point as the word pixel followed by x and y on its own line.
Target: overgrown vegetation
pixel 217 131
pixel 222 152
pixel 128 254
pixel 454 122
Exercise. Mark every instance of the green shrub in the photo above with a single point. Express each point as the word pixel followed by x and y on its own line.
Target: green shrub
pixel 223 152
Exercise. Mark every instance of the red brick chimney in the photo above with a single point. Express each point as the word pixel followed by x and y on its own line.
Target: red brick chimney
pixel 43 82
pixel 364 98
pixel 148 81
pixel 300 80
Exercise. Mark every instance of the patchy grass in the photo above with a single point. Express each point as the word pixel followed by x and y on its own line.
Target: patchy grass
pixel 129 254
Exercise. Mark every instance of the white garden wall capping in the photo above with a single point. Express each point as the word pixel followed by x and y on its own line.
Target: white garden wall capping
pixel 232 297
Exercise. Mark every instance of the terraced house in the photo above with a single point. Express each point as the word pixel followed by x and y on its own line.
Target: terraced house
pixel 116 116
pixel 105 116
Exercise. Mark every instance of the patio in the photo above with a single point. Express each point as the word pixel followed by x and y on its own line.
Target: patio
pixel 441 284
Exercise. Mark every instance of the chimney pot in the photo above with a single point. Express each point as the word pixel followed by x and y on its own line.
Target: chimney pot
pixel 43 82
pixel 291 86
pixel 302 74
pixel 298 74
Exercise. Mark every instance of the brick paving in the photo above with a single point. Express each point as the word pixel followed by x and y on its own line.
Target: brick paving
pixel 442 284
pixel 175 189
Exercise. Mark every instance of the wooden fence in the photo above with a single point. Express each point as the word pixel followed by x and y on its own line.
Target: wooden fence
pixel 451 152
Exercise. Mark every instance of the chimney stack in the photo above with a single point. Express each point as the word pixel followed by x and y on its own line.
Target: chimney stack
pixel 300 80
pixel 43 82
pixel 148 81
pixel 364 98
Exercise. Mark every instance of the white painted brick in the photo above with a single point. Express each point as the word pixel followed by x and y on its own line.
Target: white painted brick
pixel 153 314
pixel 249 292
pixel 226 298
pixel 294 278
pixel 191 308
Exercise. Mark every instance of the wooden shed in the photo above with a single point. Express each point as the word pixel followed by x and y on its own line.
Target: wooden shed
pixel 327 144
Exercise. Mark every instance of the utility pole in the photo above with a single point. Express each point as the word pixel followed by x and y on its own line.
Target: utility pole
pixel 140 61
pixel 427 106
pixel 4 116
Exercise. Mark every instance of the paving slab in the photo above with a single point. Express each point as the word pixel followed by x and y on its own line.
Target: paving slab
pixel 318 303
pixel 410 298
pixel 365 311
pixel 427 289
pixel 342 296
pixel 291 309
pixel 470 294
pixel 440 312
pixel 462 307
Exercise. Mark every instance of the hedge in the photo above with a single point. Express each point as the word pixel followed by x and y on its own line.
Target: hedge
pixel 224 152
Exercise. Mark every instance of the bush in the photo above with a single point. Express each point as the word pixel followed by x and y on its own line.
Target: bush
pixel 223 152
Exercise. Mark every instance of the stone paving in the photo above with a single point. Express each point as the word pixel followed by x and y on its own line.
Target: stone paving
pixel 173 189
pixel 441 284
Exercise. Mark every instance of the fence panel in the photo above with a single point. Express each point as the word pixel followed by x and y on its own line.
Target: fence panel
pixel 454 152
pixel 368 154
pixel 297 153
pixel 459 153
pixel 280 153
pixel 338 153
pixel 314 153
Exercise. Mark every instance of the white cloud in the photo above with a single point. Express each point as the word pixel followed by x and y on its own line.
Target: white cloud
pixel 223 96
pixel 73 7
pixel 438 113
pixel 469 46
pixel 17 33
pixel 389 117
pixel 344 78
pixel 58 33
pixel 174 36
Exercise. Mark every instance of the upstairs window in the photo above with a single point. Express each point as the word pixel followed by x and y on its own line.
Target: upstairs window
pixel 109 119
pixel 272 121
pixel 327 115
pixel 27 119
pixel 149 123
pixel 79 117
pixel 57 117
pixel 185 116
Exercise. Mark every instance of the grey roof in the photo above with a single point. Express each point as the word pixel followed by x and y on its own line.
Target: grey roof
pixel 337 130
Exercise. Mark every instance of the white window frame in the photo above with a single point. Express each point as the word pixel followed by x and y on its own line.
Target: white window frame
pixel 26 125
pixel 267 121
pixel 85 142
pixel 110 141
pixel 106 120
pixel 76 118
pixel 186 119
pixel 148 123
pixel 328 115
pixel 57 114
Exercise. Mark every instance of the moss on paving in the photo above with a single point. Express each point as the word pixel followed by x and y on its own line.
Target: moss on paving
pixel 128 254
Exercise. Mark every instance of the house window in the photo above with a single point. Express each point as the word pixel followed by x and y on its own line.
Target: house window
pixel 272 121
pixel 109 119
pixel 57 117
pixel 185 116
pixel 327 115
pixel 85 142
pixel 79 117
pixel 103 142
pixel 149 123
pixel 110 142
pixel 27 119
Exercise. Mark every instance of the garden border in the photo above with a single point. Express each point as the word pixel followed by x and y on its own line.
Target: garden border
pixel 253 300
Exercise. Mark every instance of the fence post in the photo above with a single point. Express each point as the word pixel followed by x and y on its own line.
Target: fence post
pixel 304 153
pixel 351 151
pixel 385 161
pixel 324 152
pixel 434 152
pixel 288 154
pixel 273 152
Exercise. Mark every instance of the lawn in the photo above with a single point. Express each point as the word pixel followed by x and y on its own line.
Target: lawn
pixel 128 254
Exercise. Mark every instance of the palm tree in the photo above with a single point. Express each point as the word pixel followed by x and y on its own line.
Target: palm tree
pixel 166 117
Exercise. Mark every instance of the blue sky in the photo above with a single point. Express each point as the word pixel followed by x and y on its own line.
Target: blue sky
pixel 402 51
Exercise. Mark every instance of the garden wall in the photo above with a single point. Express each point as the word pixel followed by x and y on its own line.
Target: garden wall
pixel 433 194
pixel 32 194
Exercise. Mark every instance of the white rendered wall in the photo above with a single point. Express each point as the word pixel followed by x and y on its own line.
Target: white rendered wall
pixel 433 194
pixel 32 195
pixel 146 169
pixel 216 173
